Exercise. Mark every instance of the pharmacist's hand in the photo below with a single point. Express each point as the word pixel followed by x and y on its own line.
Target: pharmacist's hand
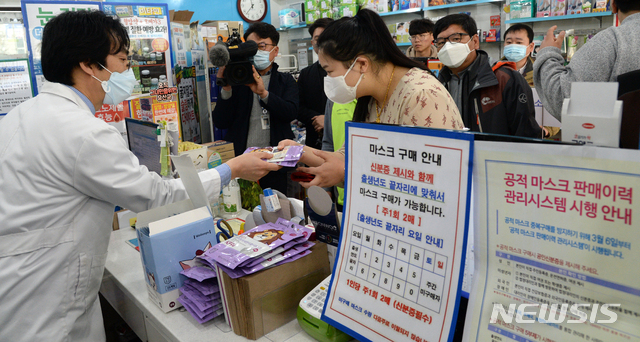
pixel 318 122
pixel 551 40
pixel 330 173
pixel 258 86
pixel 220 74
pixel 250 166
pixel 285 143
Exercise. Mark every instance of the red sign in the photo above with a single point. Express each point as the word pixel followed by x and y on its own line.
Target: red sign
pixel 113 113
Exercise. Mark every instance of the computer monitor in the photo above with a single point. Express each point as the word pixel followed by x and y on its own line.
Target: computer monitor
pixel 143 142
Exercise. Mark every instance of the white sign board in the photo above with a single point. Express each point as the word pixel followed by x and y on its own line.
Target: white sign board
pixel 398 273
pixel 555 226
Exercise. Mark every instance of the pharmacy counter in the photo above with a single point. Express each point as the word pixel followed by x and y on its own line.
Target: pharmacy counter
pixel 124 287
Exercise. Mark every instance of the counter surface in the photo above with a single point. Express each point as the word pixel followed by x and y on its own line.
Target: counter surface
pixel 123 285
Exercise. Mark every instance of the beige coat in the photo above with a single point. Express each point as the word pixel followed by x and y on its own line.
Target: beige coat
pixel 412 53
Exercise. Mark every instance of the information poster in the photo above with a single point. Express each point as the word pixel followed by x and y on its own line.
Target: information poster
pixel 189 108
pixel 148 108
pixel 557 244
pixel 148 28
pixel 36 14
pixel 400 256
pixel 15 84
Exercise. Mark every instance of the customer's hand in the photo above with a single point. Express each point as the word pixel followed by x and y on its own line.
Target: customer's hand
pixel 551 40
pixel 220 74
pixel 250 166
pixel 318 122
pixel 258 86
pixel 287 142
pixel 330 173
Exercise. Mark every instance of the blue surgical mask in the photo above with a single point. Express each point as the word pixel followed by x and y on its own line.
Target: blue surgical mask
pixel 261 60
pixel 119 86
pixel 515 52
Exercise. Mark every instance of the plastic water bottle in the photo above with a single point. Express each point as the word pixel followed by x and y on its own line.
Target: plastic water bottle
pixel 231 198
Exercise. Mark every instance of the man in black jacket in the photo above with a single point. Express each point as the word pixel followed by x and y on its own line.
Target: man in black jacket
pixel 311 88
pixel 260 114
pixel 491 100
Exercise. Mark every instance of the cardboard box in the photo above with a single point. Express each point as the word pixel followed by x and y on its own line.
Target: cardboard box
pixel 219 152
pixel 589 119
pixel 311 16
pixel 180 17
pixel 262 302
pixel 170 236
pixel 311 5
pixel 347 11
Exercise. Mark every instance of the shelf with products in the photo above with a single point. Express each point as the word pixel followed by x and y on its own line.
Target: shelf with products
pixel 410 10
pixel 562 17
pixel 460 4
pixel 416 10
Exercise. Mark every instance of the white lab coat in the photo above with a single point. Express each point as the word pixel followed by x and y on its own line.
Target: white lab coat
pixel 61 173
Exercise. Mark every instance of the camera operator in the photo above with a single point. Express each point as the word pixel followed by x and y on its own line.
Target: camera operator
pixel 259 113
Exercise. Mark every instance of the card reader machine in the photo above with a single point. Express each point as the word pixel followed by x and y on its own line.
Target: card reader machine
pixel 309 312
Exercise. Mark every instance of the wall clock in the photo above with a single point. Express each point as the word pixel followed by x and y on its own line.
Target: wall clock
pixel 252 11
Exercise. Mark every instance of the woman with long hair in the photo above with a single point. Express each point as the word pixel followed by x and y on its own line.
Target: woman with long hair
pixel 362 61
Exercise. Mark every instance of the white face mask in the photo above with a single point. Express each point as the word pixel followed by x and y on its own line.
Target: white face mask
pixel 454 54
pixel 337 89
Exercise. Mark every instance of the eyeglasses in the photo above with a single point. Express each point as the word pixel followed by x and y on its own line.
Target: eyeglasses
pixel 263 46
pixel 454 38
pixel 420 37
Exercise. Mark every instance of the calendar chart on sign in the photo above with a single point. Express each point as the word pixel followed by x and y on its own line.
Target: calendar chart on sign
pixel 402 244
pixel 407 270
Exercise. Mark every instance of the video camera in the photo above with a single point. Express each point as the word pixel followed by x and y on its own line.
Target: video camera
pixel 236 57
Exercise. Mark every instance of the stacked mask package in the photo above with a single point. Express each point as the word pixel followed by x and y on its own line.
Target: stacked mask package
pixel 267 245
pixel 200 294
pixel 289 17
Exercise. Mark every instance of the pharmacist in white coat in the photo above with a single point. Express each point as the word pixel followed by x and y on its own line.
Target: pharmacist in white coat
pixel 61 173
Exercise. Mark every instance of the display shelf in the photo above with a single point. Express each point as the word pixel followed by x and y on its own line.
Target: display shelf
pixel 403 44
pixel 460 4
pixel 410 10
pixel 562 17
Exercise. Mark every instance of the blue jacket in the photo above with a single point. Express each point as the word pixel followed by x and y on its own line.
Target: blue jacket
pixel 233 114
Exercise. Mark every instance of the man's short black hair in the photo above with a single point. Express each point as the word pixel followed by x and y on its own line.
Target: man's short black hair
pixel 520 27
pixel 80 36
pixel 466 22
pixel 322 22
pixel 626 6
pixel 264 31
pixel 420 26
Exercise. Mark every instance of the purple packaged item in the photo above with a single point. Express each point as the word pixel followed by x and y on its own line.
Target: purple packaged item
pixel 252 243
pixel 270 254
pixel 212 294
pixel 195 313
pixel 233 274
pixel 202 302
pixel 278 258
pixel 287 157
pixel 293 258
pixel 280 249
pixel 207 288
pixel 199 273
